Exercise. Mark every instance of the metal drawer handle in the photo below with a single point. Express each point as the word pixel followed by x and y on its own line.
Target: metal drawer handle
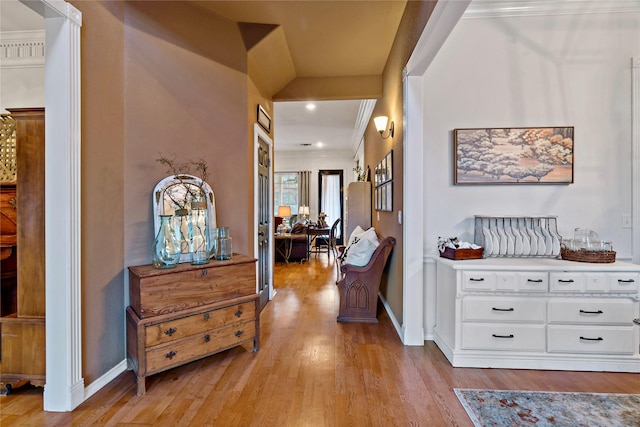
pixel 502 336
pixel 592 339
pixel 591 312
pixel 239 333
pixel 626 281
pixel 534 280
pixel 238 313
pixel 206 316
pixel 565 281
pixel 471 279
pixel 170 331
pixel 204 272
pixel 207 338
pixel 502 309
pixel 170 354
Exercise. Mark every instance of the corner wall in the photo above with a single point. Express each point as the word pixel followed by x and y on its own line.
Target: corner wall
pixel 563 70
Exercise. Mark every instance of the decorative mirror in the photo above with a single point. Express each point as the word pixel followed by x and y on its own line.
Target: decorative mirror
pixel 192 203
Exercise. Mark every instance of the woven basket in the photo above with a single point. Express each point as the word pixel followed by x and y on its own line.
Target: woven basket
pixel 600 257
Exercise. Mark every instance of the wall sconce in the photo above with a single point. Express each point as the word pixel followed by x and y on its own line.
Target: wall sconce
pixel 381 126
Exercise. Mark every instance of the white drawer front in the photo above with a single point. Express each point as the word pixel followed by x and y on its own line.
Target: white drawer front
pixel 533 282
pixel 478 281
pixel 482 336
pixel 624 282
pixel 567 282
pixel 592 311
pixel 585 339
pixel 504 309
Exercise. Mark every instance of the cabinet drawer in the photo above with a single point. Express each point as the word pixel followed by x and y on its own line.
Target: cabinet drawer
pixel 592 311
pixel 624 282
pixel 160 292
pixel 504 309
pixel 478 281
pixel 175 329
pixel 567 282
pixel 586 339
pixel 196 346
pixel 482 336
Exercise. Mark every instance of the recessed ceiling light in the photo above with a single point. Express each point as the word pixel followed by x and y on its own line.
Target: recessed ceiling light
pixel 311 106
pixel 319 144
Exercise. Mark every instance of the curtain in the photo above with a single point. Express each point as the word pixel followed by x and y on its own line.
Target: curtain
pixel 304 177
pixel 331 198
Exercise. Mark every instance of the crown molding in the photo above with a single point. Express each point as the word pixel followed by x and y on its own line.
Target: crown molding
pixel 22 49
pixel 511 8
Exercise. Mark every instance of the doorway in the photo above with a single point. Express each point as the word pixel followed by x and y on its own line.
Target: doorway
pixel 331 198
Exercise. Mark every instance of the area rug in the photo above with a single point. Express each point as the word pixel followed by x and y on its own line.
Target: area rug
pixel 539 408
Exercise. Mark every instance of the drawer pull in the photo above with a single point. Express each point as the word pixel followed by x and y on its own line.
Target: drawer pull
pixel 565 281
pixel 204 272
pixel 590 312
pixel 239 333
pixel 170 331
pixel 502 336
pixel 207 338
pixel 206 316
pixel 471 279
pixel 626 281
pixel 502 309
pixel 238 313
pixel 170 354
pixel 534 280
pixel 592 339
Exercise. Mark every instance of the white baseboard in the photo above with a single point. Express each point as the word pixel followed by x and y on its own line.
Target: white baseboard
pixel 395 322
pixel 92 388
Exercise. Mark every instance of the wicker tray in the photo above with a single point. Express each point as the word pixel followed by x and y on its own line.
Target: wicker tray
pixel 459 254
pixel 601 257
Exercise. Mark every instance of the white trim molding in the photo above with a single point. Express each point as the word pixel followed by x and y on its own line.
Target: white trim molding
pixel 64 385
pixel 510 8
pixel 362 121
pixel 635 159
pixel 22 49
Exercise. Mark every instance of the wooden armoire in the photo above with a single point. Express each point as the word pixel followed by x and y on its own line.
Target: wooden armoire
pixel 23 331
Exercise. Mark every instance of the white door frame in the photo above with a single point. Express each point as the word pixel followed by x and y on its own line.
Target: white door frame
pixel 64 385
pixel 443 19
pixel 258 132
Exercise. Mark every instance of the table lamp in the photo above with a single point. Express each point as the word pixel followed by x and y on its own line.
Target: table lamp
pixel 284 212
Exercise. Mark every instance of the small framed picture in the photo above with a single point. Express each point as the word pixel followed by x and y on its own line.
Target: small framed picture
pixel 263 119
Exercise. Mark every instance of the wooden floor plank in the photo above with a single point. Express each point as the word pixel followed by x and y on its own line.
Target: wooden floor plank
pixel 310 371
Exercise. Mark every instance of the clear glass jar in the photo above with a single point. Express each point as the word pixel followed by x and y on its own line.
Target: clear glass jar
pixel 223 246
pixel 198 231
pixel 166 247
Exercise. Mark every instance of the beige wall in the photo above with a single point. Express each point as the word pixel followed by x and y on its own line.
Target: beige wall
pixel 413 21
pixel 152 82
pixel 103 186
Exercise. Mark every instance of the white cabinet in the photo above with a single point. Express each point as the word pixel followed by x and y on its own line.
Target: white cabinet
pixel 538 314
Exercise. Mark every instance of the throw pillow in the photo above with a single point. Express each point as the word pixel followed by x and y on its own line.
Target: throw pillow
pixel 359 251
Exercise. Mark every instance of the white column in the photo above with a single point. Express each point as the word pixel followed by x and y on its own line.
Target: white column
pixel 635 159
pixel 64 386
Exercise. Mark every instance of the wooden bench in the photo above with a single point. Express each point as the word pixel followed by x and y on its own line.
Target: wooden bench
pixel 359 286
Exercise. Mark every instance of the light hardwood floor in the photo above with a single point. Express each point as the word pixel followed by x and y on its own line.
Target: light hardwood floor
pixel 310 371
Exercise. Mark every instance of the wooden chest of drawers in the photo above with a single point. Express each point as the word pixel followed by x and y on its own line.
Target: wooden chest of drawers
pixel 189 312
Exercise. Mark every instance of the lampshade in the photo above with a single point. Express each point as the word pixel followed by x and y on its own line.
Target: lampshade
pixel 381 123
pixel 303 210
pixel 284 211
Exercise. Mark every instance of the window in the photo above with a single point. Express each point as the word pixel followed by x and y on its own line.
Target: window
pixel 285 191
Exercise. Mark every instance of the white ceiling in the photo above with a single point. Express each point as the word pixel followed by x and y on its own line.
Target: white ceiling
pixel 15 16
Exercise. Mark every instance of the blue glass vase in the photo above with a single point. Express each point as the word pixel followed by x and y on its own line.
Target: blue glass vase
pixel 166 247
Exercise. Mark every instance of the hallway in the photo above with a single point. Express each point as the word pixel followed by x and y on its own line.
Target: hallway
pixel 310 371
